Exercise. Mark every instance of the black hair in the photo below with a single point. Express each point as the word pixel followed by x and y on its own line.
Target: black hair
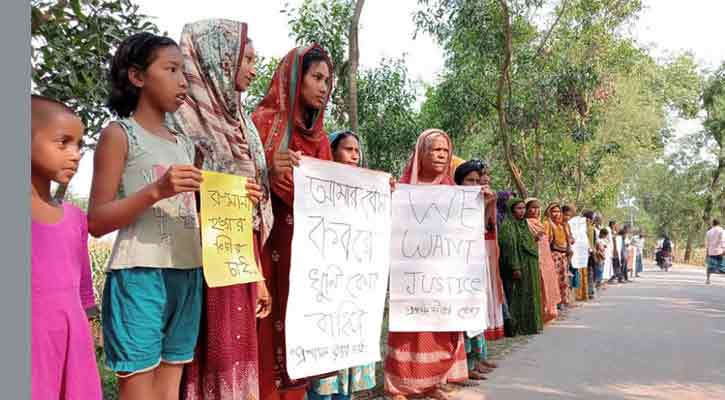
pixel 566 208
pixel 136 51
pixel 48 100
pixel 612 223
pixel 335 143
pixel 466 168
pixel 588 214
pixel 715 222
pixel 313 56
pixel 43 109
pixel 603 232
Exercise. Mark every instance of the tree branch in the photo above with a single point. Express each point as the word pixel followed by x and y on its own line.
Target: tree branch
pixel 354 56
pixel 551 29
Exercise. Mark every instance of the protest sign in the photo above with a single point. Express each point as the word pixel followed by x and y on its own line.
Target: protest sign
pixel 437 280
pixel 226 231
pixel 578 227
pixel 339 268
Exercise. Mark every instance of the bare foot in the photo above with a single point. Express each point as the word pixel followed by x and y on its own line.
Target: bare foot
pixel 439 394
pixel 484 370
pixel 476 375
pixel 399 397
pixel 489 364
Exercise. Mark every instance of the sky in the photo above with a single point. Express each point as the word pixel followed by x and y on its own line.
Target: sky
pixel 387 28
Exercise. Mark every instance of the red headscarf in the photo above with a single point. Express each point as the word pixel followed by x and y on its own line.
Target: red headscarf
pixel 412 169
pixel 279 117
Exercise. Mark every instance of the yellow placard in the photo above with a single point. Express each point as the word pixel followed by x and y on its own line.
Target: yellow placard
pixel 226 231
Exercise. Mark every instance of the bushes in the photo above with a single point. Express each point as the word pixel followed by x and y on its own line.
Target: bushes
pixel 99 252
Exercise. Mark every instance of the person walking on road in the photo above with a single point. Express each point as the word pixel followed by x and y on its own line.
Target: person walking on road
pixel 715 240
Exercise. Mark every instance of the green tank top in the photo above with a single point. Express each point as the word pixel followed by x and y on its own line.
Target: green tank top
pixel 167 234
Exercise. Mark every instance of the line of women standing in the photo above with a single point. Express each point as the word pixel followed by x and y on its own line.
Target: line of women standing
pixel 241 348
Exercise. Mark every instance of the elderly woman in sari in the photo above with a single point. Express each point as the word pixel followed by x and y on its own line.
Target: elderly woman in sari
pixel 290 122
pixel 519 263
pixel 420 363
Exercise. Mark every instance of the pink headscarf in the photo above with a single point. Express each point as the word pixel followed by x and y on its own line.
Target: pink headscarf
pixel 412 168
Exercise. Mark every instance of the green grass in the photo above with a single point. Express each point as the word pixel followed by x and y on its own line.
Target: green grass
pixel 108 378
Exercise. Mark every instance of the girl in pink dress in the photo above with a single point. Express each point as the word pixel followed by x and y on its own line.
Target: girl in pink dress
pixel 63 360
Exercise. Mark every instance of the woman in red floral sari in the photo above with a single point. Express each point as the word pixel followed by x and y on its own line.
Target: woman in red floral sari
pixel 419 363
pixel 289 120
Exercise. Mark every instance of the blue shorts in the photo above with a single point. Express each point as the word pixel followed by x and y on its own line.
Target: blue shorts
pixel 716 264
pixel 150 315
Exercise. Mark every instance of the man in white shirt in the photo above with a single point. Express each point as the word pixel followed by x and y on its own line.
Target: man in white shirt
pixel 715 241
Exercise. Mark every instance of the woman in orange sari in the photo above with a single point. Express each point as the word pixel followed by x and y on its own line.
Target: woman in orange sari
pixel 558 234
pixel 550 296
pixel 419 363
pixel 289 120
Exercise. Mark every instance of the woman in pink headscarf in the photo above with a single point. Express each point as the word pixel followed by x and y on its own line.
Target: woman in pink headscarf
pixel 419 363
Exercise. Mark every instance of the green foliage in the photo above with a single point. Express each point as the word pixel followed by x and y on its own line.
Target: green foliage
pixel 72 42
pixel 586 107
pixel 256 91
pixel 714 102
pixel 386 97
pixel 78 201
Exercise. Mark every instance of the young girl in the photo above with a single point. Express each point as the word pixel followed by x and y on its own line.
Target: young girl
pixel 143 186
pixel 63 359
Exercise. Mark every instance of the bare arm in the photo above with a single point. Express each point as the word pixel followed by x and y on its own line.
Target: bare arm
pixel 105 212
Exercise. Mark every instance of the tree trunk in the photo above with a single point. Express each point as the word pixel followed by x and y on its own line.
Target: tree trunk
pixel 579 175
pixel 688 247
pixel 354 55
pixel 504 84
pixel 538 163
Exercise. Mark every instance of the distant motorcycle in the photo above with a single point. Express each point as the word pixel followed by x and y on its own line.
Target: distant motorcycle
pixel 664 260
pixel 664 255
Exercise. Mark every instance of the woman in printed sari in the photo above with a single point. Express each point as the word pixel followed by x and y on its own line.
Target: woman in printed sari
pixel 219 64
pixel 419 363
pixel 346 149
pixel 519 261
pixel 471 173
pixel 550 295
pixel 559 244
pixel 289 119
